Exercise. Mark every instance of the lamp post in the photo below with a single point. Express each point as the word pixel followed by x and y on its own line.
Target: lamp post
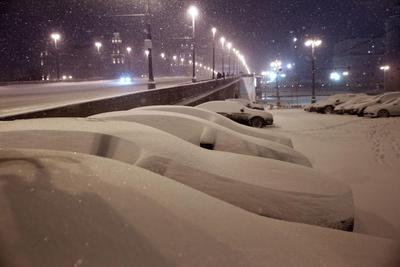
pixel 193 12
pixel 98 46
pixel 214 31
pixel 229 46
pixel 313 43
pixel 385 69
pixel 149 47
pixel 129 50
pixel 56 38
pixel 222 40
pixel 277 67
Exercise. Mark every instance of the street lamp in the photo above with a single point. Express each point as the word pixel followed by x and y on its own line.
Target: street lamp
pixel 277 67
pixel 129 50
pixel 194 13
pixel 385 69
pixel 98 46
pixel 223 40
pixel 229 46
pixel 163 55
pixel 56 38
pixel 313 43
pixel 214 31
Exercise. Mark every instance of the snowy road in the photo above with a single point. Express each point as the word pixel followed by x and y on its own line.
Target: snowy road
pixel 364 153
pixel 24 97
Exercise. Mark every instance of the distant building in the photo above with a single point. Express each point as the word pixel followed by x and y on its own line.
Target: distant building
pixel 360 59
pixel 118 54
pixel 392 58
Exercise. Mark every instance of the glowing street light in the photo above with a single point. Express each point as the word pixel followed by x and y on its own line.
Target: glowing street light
pixel 277 67
pixel 162 55
pixel 193 11
pixel 313 43
pixel 129 50
pixel 385 69
pixel 56 38
pixel 147 53
pixel 335 76
pixel 98 46
pixel 229 46
pixel 222 41
pixel 214 32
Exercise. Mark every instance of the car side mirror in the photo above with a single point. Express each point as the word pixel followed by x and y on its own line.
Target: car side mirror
pixel 242 110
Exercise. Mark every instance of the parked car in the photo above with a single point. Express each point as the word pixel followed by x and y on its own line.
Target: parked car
pixel 223 121
pixel 384 110
pixel 360 108
pixel 248 103
pixel 208 134
pixel 347 106
pixel 328 105
pixel 239 113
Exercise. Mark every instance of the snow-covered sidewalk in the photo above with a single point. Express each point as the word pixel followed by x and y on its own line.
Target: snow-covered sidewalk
pixel 364 153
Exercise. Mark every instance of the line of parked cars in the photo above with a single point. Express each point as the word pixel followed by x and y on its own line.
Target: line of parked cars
pixel 379 106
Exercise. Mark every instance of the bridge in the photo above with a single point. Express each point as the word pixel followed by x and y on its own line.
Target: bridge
pixel 82 99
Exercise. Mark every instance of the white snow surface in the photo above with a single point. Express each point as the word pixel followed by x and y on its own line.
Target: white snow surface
pixel 68 209
pixel 361 152
pixel 199 131
pixel 263 186
pixel 223 121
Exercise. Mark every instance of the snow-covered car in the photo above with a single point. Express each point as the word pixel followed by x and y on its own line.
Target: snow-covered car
pixel 328 105
pixel 239 113
pixel 262 186
pixel 208 134
pixel 69 209
pixel 388 109
pixel 247 103
pixel 347 106
pixel 379 99
pixel 223 121
pixel 310 107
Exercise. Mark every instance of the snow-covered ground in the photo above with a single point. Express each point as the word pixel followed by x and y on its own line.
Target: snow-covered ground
pixel 362 152
pixel 70 209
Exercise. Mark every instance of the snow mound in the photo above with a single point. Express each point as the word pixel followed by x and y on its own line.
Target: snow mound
pixel 223 121
pixel 204 133
pixel 263 186
pixel 68 209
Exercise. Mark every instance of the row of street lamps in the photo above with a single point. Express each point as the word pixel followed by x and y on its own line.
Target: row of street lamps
pixel 193 12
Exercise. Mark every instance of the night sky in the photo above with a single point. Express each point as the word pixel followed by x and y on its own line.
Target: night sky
pixel 261 29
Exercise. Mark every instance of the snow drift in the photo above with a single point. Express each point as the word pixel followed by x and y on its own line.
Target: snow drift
pixel 263 186
pixel 68 209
